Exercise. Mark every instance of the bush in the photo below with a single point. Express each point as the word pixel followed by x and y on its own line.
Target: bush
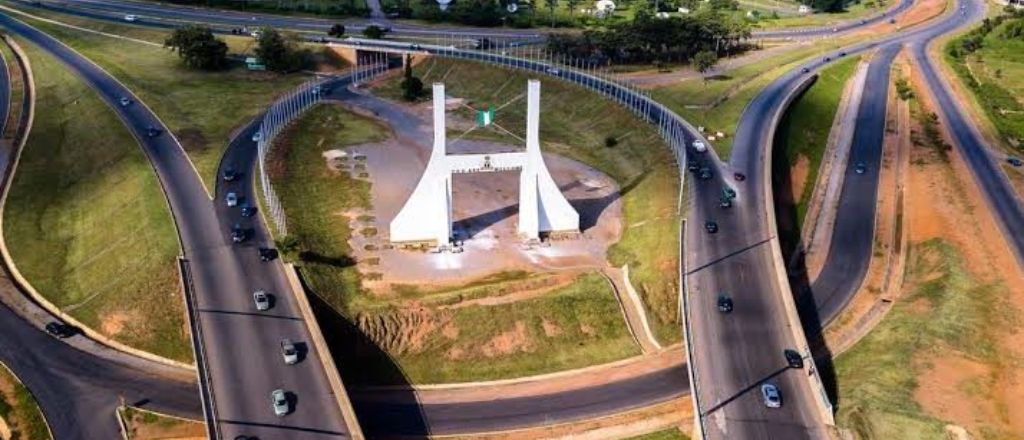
pixel 610 141
pixel 198 47
pixel 281 54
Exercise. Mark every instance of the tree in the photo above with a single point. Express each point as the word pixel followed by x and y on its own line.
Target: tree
pixel 280 54
pixel 704 60
pixel 198 47
pixel 412 87
pixel 572 4
pixel 551 4
pixel 373 31
pixel 337 31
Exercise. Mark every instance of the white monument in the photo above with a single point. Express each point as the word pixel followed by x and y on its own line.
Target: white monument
pixel 426 216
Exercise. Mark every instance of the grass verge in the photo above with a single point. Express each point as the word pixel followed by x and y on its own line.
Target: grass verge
pixel 145 425
pixel 86 221
pixel 667 434
pixel 202 109
pixel 804 130
pixel 578 124
pixel 944 314
pixel 19 409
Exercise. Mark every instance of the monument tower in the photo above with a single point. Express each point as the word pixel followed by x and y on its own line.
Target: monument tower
pixel 426 216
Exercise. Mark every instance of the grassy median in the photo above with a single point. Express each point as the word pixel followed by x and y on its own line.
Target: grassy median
pixel 202 108
pixel 803 134
pixel 86 221
pixel 146 425
pixel 578 123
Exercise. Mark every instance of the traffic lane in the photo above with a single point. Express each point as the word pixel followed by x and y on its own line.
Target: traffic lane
pixel 466 418
pixel 744 355
pixel 840 28
pixel 1000 196
pixel 853 234
pixel 72 387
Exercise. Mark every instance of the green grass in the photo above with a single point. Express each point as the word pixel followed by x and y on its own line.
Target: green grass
pixel 718 103
pixel 805 128
pixel 667 434
pixel 995 75
pixel 86 221
pixel 201 108
pixel 576 123
pixel 20 410
pixel 946 313
pixel 154 424
pixel 313 196
pixel 858 10
pixel 509 340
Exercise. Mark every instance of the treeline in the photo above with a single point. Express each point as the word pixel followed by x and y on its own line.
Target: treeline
pixel 647 39
pixel 200 49
pixel 974 40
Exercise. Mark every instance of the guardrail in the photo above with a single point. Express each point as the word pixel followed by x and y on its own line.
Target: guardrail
pixel 206 393
pixel 684 307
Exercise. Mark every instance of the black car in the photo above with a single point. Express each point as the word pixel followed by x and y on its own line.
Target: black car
pixel 827 59
pixel 1014 161
pixel 711 227
pixel 729 193
pixel 248 211
pixel 237 233
pixel 152 131
pixel 806 70
pixel 793 359
pixel 725 202
pixel 739 177
pixel 860 168
pixel 842 54
pixel 61 330
pixel 230 174
pixel 693 166
pixel 267 254
pixel 705 173
pixel 724 304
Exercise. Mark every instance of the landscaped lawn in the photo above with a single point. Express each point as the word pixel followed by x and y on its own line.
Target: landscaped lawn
pixel 86 221
pixel 202 109
pixel 576 123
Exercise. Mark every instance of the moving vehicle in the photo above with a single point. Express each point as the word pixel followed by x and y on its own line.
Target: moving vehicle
pixel 262 300
pixel 700 146
pixel 771 395
pixel 705 173
pixel 267 254
pixel 130 18
pixel 1014 161
pixel 289 352
pixel 739 176
pixel 152 131
pixel 61 330
pixel 725 202
pixel 125 101
pixel 279 401
pixel 257 136
pixel 793 358
pixel 230 174
pixel 724 304
pixel 711 227
pixel 237 233
pixel 231 199
pixel 248 211
pixel 860 168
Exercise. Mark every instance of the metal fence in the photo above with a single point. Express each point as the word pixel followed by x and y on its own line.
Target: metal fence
pixel 284 111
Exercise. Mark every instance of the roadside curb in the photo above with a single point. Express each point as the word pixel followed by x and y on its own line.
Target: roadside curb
pixel 782 276
pixel 324 353
pixel 622 309
pixel 19 280
pixel 638 306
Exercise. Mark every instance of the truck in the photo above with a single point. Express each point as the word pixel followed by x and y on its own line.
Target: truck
pixel 700 146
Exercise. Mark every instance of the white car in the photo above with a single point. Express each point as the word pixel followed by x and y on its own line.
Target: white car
pixel 125 101
pixel 262 300
pixel 289 352
pixel 700 146
pixel 279 400
pixel 130 18
pixel 231 199
pixel 256 136
pixel 772 397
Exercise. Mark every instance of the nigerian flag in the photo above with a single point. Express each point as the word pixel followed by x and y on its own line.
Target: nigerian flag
pixel 485 117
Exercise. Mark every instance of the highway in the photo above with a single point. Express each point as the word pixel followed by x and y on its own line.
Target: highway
pixel 242 345
pixel 745 266
pixel 744 351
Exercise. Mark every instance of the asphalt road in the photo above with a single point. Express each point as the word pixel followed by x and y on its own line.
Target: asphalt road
pixel 745 351
pixel 242 344
pixel 169 15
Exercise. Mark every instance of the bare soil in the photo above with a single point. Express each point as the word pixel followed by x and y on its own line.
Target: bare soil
pixel 798 176
pixel 946 203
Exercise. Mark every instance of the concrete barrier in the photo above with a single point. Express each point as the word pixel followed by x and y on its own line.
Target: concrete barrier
pixel 19 280
pixel 206 395
pixel 684 306
pixel 324 353
pixel 782 276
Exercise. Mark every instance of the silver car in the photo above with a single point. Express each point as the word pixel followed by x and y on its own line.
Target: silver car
pixel 279 401
pixel 231 199
pixel 289 352
pixel 261 299
pixel 772 397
